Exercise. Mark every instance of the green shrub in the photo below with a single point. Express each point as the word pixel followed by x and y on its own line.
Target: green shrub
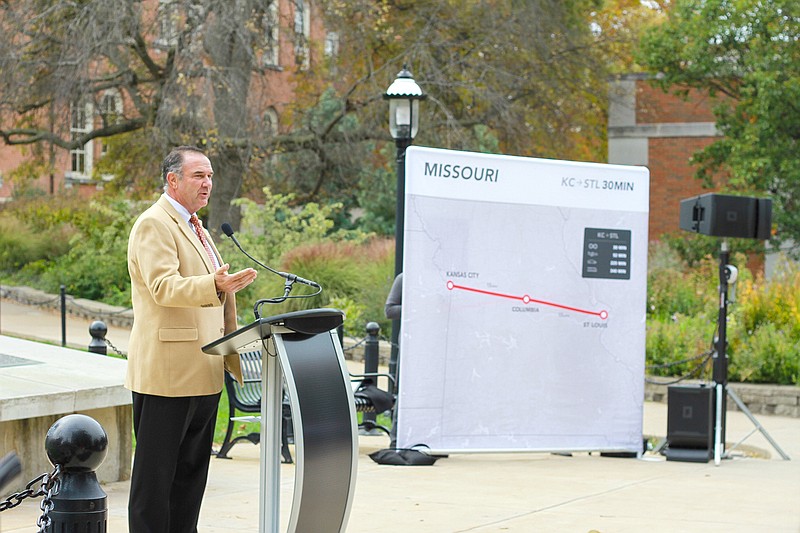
pixel 768 355
pixel 675 289
pixel 68 241
pixel 92 269
pixel 58 228
pixel 680 338
pixel 44 213
pixel 96 265
pixel 763 321
pixel 355 278
pixel 354 313
pixel 21 244
pixel 775 301
pixel 270 229
pixel 764 329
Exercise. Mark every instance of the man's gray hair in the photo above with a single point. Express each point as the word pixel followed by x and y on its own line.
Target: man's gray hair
pixel 174 161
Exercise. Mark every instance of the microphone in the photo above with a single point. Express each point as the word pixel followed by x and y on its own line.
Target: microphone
pixel 228 231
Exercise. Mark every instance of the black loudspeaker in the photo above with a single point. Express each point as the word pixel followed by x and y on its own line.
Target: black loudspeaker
pixel 723 215
pixel 690 423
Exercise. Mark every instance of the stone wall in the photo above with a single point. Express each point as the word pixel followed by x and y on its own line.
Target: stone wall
pixel 27 436
pixel 76 307
pixel 764 399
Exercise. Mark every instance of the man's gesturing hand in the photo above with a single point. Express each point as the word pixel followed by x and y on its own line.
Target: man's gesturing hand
pixel 233 282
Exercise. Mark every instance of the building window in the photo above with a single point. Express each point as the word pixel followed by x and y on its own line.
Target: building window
pixel 270 122
pixel 331 44
pixel 80 124
pixel 110 111
pixel 167 24
pixel 271 56
pixel 302 33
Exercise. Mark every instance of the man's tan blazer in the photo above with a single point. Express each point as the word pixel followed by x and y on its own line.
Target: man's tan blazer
pixel 176 309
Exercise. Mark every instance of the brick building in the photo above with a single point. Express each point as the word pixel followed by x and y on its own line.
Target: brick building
pixel 649 127
pixel 297 36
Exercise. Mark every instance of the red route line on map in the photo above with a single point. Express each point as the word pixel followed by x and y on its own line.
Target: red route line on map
pixel 527 299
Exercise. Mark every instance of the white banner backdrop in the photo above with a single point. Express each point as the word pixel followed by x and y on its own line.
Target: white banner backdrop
pixel 524 294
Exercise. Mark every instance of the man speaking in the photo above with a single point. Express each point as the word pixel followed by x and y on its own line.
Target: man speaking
pixel 183 298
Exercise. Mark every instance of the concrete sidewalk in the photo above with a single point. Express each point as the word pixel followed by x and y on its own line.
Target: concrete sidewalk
pixel 42 324
pixel 755 491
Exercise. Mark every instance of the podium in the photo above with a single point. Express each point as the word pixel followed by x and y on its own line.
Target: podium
pixel 302 350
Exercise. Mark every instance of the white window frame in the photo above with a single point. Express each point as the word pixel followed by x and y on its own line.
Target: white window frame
pixel 302 33
pixel 272 51
pixel 110 106
pixel 81 122
pixel 270 122
pixel 167 24
pixel 332 44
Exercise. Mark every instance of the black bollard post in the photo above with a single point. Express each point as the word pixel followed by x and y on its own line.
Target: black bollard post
pixel 79 444
pixel 63 296
pixel 98 331
pixel 371 356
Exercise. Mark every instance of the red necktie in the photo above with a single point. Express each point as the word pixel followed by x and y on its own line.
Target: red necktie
pixel 198 229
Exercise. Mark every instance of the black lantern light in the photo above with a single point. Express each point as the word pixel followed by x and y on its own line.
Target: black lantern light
pixel 404 96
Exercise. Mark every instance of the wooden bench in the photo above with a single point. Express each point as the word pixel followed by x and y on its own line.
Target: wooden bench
pixel 246 398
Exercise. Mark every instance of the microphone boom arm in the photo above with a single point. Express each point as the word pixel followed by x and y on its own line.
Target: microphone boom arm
pixel 290 278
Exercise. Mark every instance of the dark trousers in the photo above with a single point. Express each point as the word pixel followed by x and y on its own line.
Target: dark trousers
pixel 170 465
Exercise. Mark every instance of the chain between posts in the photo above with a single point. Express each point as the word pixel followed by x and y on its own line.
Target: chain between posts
pixel 117 350
pixel 48 486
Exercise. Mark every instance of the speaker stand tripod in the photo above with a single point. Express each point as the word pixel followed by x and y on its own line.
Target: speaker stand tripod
pixel 727 276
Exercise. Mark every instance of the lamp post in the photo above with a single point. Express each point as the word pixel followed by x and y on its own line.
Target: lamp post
pixel 404 95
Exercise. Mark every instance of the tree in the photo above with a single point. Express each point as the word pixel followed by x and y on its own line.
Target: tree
pixel 747 54
pixel 526 70
pixel 523 77
pixel 618 28
pixel 184 71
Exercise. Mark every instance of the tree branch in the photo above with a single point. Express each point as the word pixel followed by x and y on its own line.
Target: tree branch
pixel 21 136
